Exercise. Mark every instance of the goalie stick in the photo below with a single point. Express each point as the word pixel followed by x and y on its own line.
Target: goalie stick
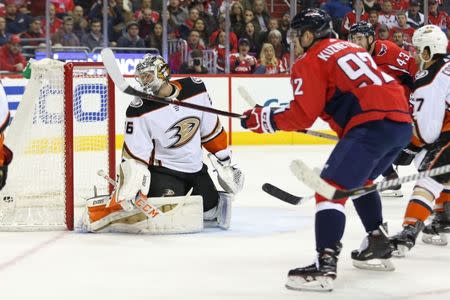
pixel 251 102
pixel 109 60
pixel 320 186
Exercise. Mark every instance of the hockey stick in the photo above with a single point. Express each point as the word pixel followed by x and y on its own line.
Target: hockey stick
pixel 313 181
pixel 113 70
pixel 251 102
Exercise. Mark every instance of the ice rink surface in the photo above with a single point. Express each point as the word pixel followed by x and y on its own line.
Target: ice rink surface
pixel 250 261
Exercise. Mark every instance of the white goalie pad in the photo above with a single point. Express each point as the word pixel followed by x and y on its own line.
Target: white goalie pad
pixel 220 216
pixel 180 215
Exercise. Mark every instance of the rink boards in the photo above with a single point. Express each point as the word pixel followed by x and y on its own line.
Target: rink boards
pixel 223 90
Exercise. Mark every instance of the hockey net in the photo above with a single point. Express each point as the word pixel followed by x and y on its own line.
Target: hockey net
pixel 61 134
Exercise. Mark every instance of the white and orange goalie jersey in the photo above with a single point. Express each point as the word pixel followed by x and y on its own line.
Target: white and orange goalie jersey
pixel 172 136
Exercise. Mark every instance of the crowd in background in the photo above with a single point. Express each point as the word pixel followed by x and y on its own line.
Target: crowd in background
pixel 258 40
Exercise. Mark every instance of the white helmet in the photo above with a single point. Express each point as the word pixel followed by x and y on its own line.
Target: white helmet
pixel 151 72
pixel 430 36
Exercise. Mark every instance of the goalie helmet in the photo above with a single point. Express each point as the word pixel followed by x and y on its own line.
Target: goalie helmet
pixel 152 72
pixel 430 36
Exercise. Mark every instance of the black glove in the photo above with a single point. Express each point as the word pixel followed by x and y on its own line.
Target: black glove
pixel 3 176
pixel 406 156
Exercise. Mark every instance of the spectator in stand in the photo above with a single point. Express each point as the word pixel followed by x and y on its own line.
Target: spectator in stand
pixel 209 19
pixel 194 14
pixel 200 26
pixel 398 37
pixel 154 39
pixel 263 36
pixel 237 18
pixel 3 34
pixel 371 5
pixel 262 16
pixel 195 64
pixel 242 62
pixel 250 36
pixel 63 7
pixel 284 25
pixel 437 17
pixel 268 62
pixel 350 17
pixel 386 16
pixel 383 32
pixel 146 23
pixel 55 23
pixel 275 39
pixel 403 27
pixel 219 47
pixel 131 38
pixel 337 9
pixel 65 36
pixel 415 18
pixel 34 32
pixel 80 24
pixel 399 5
pixel 93 38
pixel 16 22
pixel 373 19
pixel 249 17
pixel 214 36
pixel 177 14
pixel 193 42
pixel 147 5
pixel 10 57
pixel 115 19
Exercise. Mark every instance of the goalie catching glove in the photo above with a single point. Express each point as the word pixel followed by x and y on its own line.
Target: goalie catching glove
pixel 134 178
pixel 230 178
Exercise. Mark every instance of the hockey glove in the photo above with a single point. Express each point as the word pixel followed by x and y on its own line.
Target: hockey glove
pixel 406 156
pixel 134 178
pixel 259 120
pixel 230 178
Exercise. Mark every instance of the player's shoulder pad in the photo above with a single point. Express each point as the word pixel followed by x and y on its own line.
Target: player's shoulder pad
pixel 189 87
pixel 427 76
pixel 139 106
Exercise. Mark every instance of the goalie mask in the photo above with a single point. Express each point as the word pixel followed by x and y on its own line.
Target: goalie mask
pixel 152 72
pixel 430 36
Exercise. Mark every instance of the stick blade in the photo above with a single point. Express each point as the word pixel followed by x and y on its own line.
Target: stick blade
pixel 280 194
pixel 312 180
pixel 109 61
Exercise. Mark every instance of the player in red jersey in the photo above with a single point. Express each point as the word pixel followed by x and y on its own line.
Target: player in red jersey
pixel 339 82
pixel 392 60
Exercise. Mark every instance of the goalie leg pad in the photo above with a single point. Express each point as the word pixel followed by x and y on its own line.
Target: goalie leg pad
pixel 180 215
pixel 220 216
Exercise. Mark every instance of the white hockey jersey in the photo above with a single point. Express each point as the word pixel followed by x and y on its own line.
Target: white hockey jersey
pixel 431 100
pixel 172 136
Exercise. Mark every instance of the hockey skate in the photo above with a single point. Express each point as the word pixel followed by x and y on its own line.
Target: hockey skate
pixel 318 276
pixel 435 232
pixel 395 191
pixel 406 239
pixel 375 252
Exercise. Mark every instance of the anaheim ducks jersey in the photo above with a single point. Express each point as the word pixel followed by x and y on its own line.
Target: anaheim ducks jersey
pixel 172 136
pixel 431 100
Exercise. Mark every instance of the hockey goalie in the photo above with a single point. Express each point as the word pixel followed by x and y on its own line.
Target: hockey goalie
pixel 162 163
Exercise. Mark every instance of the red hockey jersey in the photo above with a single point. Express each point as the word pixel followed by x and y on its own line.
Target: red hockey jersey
pixel 339 82
pixel 396 62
